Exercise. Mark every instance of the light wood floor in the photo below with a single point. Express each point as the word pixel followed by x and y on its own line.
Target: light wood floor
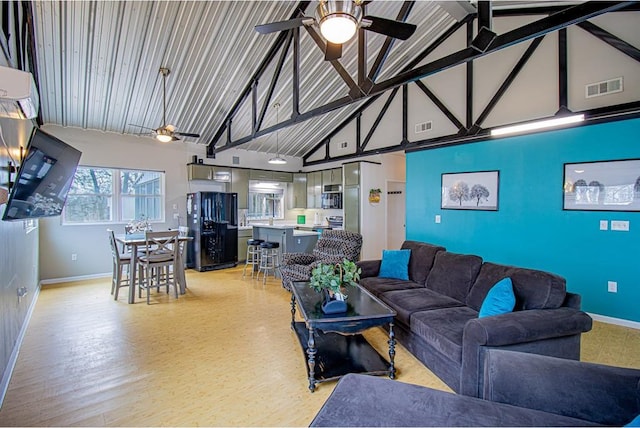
pixel 221 355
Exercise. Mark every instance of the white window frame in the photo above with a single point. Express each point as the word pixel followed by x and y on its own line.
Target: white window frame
pixel 117 197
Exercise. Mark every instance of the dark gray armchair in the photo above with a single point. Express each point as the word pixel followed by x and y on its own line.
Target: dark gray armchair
pixel 332 247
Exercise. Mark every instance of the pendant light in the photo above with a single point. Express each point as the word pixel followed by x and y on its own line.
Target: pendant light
pixel 277 160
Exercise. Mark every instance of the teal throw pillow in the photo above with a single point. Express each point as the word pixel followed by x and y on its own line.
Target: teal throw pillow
pixel 635 422
pixel 395 264
pixel 500 299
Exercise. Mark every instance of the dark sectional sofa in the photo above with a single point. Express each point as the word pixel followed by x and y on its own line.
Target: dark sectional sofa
pixel 437 312
pixel 519 389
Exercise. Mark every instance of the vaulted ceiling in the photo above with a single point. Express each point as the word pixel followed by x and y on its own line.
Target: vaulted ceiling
pixel 98 66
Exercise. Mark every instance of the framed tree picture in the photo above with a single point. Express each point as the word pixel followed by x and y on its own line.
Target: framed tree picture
pixel 602 186
pixel 470 190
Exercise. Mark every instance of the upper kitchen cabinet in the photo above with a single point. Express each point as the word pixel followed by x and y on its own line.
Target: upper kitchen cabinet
pixel 208 172
pixel 298 191
pixel 351 174
pixel 314 189
pixel 261 174
pixel 240 185
pixel 332 176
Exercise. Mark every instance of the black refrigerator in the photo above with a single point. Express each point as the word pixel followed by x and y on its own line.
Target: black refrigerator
pixel 212 218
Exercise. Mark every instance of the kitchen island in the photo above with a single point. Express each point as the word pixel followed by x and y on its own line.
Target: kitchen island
pixel 290 239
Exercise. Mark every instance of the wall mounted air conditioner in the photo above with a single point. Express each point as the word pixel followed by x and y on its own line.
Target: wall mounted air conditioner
pixel 18 94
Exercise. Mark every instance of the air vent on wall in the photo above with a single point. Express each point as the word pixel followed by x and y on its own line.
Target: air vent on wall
pixel 235 160
pixel 423 127
pixel 603 88
pixel 344 145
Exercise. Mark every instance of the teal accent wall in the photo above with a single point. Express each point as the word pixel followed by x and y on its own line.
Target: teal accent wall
pixel 530 228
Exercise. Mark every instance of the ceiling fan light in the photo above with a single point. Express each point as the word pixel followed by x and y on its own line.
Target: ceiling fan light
pixel 164 138
pixel 277 161
pixel 338 28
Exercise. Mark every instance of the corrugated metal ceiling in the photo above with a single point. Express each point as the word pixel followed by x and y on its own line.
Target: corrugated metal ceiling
pixel 98 65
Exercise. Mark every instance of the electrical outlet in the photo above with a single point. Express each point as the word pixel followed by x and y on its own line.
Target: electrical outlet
pixel 438 218
pixel 74 257
pixel 176 216
pixel 604 225
pixel 612 286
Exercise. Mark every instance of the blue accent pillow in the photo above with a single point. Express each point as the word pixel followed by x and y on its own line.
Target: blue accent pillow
pixel 395 264
pixel 635 422
pixel 499 300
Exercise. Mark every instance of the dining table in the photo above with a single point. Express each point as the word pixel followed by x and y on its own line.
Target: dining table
pixel 135 240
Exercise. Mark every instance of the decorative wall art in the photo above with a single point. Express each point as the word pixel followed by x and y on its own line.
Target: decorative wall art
pixel 470 191
pixel 602 186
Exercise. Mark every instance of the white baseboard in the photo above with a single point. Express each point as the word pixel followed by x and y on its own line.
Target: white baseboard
pixel 616 321
pixel 8 371
pixel 74 278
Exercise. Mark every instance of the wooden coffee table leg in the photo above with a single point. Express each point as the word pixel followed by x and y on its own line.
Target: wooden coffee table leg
pixel 311 353
pixel 392 351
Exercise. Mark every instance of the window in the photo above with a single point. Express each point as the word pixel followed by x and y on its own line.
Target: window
pixel 266 200
pixel 104 195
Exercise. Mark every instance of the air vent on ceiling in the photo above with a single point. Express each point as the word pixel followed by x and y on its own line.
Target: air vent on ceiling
pixel 603 88
pixel 423 127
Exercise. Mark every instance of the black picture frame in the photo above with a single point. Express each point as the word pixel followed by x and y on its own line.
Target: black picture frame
pixel 609 185
pixel 477 190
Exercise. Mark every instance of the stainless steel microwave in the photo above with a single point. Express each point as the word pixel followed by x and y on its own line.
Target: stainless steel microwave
pixel 332 188
pixel 332 200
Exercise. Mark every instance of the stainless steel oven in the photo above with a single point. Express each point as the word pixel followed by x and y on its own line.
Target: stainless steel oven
pixel 332 200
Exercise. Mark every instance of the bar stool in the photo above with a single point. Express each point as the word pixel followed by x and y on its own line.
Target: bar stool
pixel 269 259
pixel 253 255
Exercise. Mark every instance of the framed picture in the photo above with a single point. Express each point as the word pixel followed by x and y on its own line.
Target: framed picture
pixel 470 191
pixel 602 186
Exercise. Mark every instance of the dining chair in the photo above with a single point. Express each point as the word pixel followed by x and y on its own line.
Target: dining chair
pixel 157 265
pixel 121 263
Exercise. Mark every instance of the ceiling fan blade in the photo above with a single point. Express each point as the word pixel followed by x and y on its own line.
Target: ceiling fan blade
pixel 388 27
pixel 280 25
pixel 332 51
pixel 174 138
pixel 187 134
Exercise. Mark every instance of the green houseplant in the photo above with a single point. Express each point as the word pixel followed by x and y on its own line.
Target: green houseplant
pixel 331 280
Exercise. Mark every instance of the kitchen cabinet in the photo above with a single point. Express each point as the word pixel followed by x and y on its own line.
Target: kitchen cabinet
pixel 243 236
pixel 298 191
pixel 240 185
pixel 351 174
pixel 264 175
pixel 314 189
pixel 332 176
pixel 197 171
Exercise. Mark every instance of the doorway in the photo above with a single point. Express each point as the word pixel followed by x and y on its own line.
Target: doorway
pixel 396 214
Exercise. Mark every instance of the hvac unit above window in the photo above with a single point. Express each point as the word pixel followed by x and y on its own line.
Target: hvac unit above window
pixel 18 94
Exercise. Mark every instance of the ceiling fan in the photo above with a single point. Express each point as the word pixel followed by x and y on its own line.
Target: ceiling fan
pixel 166 132
pixel 338 21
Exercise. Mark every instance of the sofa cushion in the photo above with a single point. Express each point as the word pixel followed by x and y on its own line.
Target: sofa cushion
pixel 406 302
pixel 453 274
pixel 500 299
pixel 377 285
pixel 490 274
pixel 443 328
pixel 395 264
pixel 534 289
pixel 421 260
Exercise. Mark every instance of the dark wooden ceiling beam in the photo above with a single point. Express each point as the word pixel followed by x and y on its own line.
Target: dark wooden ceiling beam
pixel 614 41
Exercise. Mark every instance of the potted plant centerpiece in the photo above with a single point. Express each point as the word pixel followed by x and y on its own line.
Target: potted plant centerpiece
pixel 332 280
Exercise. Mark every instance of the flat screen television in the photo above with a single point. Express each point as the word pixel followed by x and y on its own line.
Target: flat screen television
pixel 43 179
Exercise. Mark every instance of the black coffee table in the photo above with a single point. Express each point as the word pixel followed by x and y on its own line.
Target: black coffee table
pixel 333 344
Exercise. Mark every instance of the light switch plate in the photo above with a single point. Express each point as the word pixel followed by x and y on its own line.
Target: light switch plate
pixel 621 225
pixel 604 225
pixel 438 218
pixel 612 286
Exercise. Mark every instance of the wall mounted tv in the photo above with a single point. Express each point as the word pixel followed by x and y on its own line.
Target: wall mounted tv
pixel 44 178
